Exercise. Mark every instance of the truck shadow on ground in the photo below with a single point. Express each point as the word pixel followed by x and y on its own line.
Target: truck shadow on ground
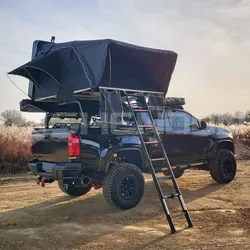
pixel 84 215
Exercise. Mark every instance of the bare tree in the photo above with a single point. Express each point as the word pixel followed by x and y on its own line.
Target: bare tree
pixel 238 117
pixel 214 118
pixel 226 118
pixel 247 116
pixel 12 117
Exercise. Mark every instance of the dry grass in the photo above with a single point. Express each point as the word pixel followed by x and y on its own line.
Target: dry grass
pixel 14 149
pixel 14 146
pixel 241 135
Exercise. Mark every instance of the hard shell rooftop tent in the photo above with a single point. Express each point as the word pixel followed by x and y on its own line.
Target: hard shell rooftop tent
pixel 59 71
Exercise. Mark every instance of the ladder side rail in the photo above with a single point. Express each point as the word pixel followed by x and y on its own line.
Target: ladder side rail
pixel 164 152
pixel 150 163
pixel 157 184
pixel 177 189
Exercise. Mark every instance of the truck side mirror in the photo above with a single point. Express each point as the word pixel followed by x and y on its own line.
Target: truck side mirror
pixel 203 124
pixel 194 127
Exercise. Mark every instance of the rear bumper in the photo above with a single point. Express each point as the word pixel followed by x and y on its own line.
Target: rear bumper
pixel 55 171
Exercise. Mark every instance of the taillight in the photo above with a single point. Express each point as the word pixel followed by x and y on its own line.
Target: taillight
pixel 73 145
pixel 31 145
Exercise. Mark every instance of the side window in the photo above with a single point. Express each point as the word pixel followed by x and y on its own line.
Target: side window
pixel 163 121
pixel 185 121
pixel 143 118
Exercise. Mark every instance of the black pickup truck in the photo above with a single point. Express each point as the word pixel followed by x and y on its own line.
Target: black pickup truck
pixel 82 155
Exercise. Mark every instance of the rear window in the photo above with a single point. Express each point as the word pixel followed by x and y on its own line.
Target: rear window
pixel 64 117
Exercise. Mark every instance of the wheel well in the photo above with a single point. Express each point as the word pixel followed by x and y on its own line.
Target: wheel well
pixel 132 156
pixel 226 145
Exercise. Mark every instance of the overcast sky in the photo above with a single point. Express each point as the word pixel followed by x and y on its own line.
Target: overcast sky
pixel 211 37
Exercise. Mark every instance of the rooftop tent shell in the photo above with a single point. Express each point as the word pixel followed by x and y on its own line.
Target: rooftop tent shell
pixel 62 70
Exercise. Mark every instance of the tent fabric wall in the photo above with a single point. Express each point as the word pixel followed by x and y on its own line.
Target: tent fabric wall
pixel 62 69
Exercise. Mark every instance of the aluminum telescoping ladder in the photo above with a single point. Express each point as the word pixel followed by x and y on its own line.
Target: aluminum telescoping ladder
pixel 163 198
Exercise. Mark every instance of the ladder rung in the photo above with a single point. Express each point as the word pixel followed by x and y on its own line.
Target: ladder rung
pixel 167 177
pixel 156 108
pixel 140 110
pixel 134 94
pixel 172 196
pixel 177 215
pixel 158 159
pixel 158 169
pixel 146 126
pixel 151 142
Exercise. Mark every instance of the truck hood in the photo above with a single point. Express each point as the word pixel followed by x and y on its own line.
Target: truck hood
pixel 219 132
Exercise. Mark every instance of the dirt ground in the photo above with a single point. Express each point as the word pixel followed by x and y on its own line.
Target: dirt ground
pixel 32 217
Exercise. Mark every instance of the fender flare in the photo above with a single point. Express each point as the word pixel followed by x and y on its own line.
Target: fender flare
pixel 216 145
pixel 138 150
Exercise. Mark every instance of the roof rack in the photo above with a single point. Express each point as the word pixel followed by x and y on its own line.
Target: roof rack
pixel 175 102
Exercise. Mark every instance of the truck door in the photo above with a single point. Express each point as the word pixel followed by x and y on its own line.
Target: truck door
pixel 190 140
pixel 164 124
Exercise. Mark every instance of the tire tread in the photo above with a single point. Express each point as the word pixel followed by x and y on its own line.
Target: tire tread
pixel 109 179
pixel 215 164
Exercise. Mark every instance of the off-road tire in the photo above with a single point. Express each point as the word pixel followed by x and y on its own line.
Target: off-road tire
pixel 113 186
pixel 72 190
pixel 218 166
pixel 177 172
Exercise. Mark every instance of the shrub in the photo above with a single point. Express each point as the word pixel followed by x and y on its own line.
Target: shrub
pixel 14 149
pixel 241 135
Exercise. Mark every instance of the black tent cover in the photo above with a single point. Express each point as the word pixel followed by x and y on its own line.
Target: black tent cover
pixel 62 69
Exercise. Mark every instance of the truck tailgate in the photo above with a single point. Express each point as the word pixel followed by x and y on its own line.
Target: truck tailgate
pixel 50 145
